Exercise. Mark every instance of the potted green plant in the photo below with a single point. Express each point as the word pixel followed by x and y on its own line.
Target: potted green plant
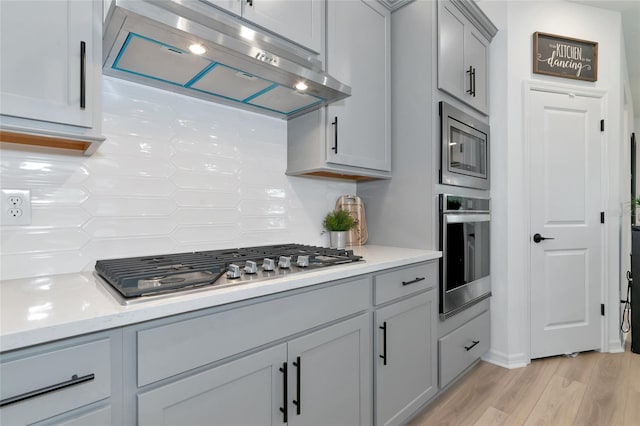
pixel 337 223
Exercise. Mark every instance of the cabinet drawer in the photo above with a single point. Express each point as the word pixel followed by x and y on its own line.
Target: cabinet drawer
pixel 458 349
pixel 55 382
pixel 401 282
pixel 177 347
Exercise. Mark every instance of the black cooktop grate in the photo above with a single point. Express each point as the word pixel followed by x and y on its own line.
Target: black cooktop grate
pixel 145 275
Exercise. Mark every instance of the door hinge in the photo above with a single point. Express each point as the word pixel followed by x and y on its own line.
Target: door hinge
pixel 602 309
pixel 602 125
pixel 601 217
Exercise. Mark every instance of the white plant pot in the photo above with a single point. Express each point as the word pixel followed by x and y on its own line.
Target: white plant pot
pixel 338 239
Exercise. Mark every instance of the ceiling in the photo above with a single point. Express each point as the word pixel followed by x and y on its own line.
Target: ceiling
pixel 631 29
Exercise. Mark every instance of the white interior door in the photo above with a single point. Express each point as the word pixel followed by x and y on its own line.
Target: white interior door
pixel 565 201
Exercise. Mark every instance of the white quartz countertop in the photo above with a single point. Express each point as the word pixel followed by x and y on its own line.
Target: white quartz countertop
pixel 42 309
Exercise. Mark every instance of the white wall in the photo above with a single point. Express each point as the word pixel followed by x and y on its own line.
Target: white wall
pixel 175 174
pixel 511 56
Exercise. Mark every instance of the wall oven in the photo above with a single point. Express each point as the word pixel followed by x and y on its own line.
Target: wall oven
pixel 464 149
pixel 464 242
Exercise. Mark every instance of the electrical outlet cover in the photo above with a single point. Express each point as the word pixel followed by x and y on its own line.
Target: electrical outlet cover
pixel 15 205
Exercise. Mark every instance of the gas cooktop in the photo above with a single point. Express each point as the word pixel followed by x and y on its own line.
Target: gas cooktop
pixel 137 279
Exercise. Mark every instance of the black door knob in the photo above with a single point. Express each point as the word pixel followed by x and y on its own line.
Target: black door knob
pixel 537 238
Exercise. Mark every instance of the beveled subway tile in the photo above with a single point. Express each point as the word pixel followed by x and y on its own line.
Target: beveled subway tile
pixel 38 264
pixel 258 223
pixel 52 196
pixel 204 233
pixel 106 227
pixel 186 198
pixel 206 216
pixel 30 169
pixel 58 216
pixel 17 240
pixel 110 248
pixel 130 166
pixel 215 145
pixel 117 145
pixel 205 163
pixel 129 186
pixel 129 206
pixel 262 207
pixel 114 124
pixel 187 179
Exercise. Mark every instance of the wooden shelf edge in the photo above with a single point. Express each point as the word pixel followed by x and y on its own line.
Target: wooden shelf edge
pixel 86 147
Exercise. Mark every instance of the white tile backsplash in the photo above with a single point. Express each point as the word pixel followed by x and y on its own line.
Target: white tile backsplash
pixel 175 174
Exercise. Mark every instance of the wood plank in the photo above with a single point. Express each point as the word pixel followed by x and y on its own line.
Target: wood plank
pixel 598 404
pixel 558 404
pixel 519 399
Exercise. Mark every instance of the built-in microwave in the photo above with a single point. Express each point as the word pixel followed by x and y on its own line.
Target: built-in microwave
pixel 464 149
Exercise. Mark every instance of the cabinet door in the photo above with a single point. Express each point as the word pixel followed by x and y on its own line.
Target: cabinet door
pixel 477 57
pixel 329 377
pixel 405 357
pixel 41 60
pixel 358 54
pixel 452 76
pixel 248 391
pixel 298 20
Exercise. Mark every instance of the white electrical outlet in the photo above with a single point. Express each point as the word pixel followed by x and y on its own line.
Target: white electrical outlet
pixel 16 207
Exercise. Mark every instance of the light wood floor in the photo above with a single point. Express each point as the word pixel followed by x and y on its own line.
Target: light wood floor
pixel 591 389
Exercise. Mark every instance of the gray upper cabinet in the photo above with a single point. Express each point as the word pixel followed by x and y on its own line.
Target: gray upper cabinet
pixel 350 138
pixel 464 34
pixel 51 73
pixel 299 21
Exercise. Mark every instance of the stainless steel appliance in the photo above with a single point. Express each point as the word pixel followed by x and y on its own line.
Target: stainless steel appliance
pixel 464 149
pixel 193 48
pixel 464 242
pixel 137 279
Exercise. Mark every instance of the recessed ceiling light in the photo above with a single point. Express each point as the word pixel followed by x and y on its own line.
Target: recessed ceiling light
pixel 197 48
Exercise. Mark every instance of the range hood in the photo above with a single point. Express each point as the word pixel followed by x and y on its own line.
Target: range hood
pixel 149 42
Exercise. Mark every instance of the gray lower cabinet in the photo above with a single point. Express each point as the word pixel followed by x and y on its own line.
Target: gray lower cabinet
pixel 72 382
pixel 405 357
pixel 321 378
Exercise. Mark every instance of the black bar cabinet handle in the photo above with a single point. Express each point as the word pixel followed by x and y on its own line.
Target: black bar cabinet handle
pixel 470 72
pixel 83 74
pixel 297 401
pixel 75 380
pixel 475 342
pixel 335 133
pixel 473 73
pixel 285 397
pixel 383 327
pixel 417 280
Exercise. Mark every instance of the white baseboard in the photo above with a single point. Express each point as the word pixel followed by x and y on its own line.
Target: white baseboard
pixel 507 361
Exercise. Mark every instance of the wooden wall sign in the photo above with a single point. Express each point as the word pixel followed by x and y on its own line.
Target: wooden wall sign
pixel 565 57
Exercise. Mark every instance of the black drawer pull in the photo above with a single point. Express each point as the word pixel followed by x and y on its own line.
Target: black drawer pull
pixel 475 342
pixel 297 401
pixel 75 380
pixel 383 327
pixel 285 398
pixel 417 280
pixel 83 74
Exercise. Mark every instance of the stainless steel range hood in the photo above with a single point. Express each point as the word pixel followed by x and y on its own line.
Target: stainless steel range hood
pixel 149 42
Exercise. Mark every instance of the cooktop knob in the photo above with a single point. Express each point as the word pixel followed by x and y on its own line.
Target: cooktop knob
pixel 268 264
pixel 251 267
pixel 284 262
pixel 303 260
pixel 233 271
